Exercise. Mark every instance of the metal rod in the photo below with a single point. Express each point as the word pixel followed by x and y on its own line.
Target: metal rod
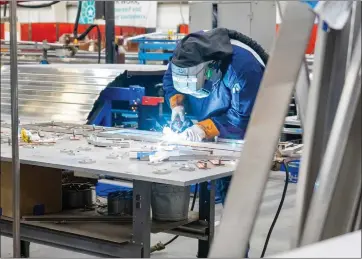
pixel 14 129
pixel 110 24
pixel 78 218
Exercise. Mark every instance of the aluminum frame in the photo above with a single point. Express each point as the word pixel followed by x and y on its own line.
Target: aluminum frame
pixel 341 164
pixel 328 77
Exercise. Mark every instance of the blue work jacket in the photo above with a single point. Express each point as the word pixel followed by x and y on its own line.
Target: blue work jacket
pixel 230 103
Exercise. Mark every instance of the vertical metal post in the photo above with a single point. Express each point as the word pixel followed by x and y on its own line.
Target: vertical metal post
pixel 14 129
pixel 110 34
pixel 141 216
pixel 207 213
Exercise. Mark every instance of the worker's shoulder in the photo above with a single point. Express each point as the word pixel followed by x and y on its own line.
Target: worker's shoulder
pixel 245 62
pixel 244 54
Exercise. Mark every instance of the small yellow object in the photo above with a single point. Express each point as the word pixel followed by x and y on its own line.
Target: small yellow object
pixel 75 41
pixel 170 34
pixel 24 134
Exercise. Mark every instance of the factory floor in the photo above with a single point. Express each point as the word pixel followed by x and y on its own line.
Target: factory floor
pixel 187 248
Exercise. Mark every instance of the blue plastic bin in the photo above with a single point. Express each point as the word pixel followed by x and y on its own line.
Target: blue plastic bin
pixel 103 189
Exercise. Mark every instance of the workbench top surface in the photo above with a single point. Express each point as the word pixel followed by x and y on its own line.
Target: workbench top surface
pixel 122 167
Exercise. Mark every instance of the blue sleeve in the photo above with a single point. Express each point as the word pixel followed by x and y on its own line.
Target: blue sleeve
pixel 233 123
pixel 168 87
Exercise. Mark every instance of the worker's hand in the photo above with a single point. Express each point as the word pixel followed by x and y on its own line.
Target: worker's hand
pixel 194 133
pixel 178 111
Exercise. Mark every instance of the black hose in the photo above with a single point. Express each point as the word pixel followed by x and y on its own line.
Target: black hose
pixel 278 210
pixel 87 31
pixel 38 6
pixel 99 36
pixel 251 43
pixel 75 31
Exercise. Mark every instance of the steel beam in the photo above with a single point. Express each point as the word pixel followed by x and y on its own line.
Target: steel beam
pixel 15 129
pixel 207 214
pixel 268 116
pixel 76 243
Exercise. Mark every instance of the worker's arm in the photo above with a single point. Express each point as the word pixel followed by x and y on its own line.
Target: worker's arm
pixel 234 121
pixel 173 97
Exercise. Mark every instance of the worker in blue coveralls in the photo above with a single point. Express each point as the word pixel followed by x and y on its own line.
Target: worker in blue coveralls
pixel 217 73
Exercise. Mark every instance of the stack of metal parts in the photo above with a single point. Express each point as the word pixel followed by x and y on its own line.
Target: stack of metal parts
pixel 329 188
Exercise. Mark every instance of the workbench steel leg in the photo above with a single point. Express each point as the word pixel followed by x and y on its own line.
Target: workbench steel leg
pixel 207 213
pixel 25 249
pixel 141 216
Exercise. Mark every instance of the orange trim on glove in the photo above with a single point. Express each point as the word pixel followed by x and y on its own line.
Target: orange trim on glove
pixel 177 100
pixel 209 127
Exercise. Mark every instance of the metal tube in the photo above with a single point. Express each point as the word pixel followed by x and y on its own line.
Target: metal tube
pixel 14 129
pixel 110 24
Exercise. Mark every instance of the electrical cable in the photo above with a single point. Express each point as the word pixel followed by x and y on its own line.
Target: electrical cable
pixel 278 210
pixel 161 246
pixel 75 31
pixel 87 31
pixel 38 6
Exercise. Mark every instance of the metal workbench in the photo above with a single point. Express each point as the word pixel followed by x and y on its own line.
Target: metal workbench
pixel 132 240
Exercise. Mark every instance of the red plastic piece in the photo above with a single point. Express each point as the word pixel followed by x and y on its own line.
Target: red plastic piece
pixel 152 101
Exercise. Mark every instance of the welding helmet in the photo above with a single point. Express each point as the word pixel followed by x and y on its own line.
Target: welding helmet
pixel 198 81
pixel 196 63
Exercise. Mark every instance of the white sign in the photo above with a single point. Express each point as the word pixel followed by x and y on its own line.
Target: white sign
pixel 136 13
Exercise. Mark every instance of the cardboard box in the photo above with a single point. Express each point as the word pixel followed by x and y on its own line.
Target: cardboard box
pixel 40 187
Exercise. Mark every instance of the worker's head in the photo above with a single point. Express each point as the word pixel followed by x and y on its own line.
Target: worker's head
pixel 196 64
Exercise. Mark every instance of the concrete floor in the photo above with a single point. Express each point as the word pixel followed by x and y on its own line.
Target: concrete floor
pixel 187 248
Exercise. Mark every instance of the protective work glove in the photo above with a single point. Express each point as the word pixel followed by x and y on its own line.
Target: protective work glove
pixel 178 112
pixel 194 133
